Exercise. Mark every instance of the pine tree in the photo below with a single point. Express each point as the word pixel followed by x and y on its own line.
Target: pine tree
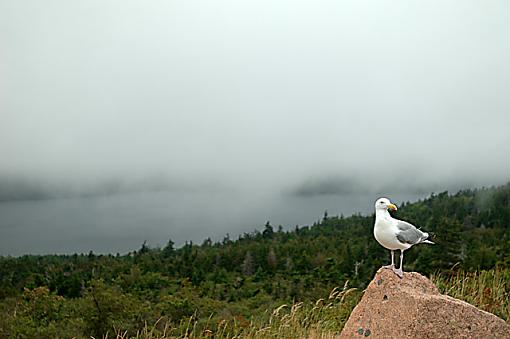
pixel 268 231
pixel 168 250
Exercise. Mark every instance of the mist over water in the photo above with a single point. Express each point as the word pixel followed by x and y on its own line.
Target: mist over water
pixel 122 222
pixel 126 121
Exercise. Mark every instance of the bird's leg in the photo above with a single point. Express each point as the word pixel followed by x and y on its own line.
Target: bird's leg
pixel 392 266
pixel 399 272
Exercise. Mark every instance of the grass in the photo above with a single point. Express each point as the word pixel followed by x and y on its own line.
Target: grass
pixel 324 319
pixel 487 290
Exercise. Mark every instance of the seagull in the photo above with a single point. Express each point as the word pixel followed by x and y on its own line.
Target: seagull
pixel 395 234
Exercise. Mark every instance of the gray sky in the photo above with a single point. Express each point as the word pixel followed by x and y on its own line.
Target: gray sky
pixel 240 111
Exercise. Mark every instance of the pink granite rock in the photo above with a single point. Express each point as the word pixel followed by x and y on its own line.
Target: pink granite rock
pixel 412 307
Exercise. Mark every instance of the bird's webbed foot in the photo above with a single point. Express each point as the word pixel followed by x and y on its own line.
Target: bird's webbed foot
pixel 392 267
pixel 399 272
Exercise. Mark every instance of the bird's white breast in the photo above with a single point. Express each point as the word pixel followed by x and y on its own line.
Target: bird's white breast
pixel 385 232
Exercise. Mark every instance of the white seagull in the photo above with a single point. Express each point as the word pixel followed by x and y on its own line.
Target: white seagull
pixel 395 234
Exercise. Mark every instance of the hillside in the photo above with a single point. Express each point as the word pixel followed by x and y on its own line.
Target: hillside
pixel 240 279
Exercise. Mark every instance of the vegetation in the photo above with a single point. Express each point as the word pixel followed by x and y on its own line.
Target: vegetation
pixel 227 289
pixel 488 290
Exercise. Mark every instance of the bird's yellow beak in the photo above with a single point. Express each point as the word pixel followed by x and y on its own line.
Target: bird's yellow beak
pixel 392 207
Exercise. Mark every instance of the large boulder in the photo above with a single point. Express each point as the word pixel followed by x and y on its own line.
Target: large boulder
pixel 412 307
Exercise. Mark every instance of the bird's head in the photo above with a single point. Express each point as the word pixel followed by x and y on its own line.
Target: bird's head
pixel 384 204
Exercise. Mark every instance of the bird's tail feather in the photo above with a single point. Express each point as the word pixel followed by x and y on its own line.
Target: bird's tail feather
pixel 428 235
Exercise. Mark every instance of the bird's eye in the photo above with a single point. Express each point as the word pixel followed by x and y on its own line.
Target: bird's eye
pixel 382 202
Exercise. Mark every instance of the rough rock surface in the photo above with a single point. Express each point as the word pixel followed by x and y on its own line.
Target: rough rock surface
pixel 412 307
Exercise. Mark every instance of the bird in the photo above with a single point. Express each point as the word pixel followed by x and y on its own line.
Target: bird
pixel 395 234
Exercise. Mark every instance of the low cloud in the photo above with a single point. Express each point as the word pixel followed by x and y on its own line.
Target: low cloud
pixel 352 185
pixel 31 189
pixel 189 120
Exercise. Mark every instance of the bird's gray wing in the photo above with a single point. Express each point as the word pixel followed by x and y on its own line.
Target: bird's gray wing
pixel 408 234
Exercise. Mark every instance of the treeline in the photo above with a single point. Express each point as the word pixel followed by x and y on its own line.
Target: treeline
pixel 91 295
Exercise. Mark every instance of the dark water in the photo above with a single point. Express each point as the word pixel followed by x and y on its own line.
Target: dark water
pixel 121 223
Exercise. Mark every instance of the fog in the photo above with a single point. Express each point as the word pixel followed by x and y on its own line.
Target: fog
pixel 126 121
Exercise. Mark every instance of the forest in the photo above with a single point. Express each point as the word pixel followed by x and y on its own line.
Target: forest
pixel 239 282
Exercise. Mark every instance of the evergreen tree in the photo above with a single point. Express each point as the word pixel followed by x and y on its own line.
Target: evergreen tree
pixel 268 231
pixel 168 250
